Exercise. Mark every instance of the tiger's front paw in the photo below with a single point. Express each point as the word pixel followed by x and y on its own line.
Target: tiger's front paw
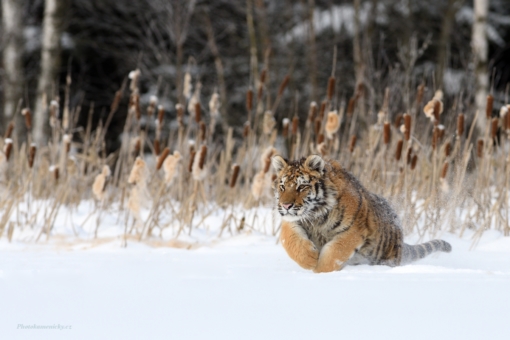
pixel 309 255
pixel 327 264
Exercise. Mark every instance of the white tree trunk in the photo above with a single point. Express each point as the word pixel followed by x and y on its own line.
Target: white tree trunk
pixel 480 53
pixel 12 20
pixel 53 26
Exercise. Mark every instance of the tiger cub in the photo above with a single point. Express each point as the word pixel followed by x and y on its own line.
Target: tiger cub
pixel 330 220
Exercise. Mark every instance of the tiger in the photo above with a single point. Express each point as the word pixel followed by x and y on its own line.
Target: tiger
pixel 329 220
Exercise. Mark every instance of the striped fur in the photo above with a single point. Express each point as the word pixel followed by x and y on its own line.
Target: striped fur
pixel 330 220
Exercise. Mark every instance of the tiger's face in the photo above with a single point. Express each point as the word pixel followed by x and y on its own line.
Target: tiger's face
pixel 300 189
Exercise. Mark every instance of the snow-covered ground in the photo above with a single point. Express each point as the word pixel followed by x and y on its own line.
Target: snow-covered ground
pixel 245 287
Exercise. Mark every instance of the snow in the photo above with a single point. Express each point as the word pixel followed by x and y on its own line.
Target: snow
pixel 241 286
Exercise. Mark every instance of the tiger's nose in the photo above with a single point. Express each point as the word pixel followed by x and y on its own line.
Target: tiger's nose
pixel 287 206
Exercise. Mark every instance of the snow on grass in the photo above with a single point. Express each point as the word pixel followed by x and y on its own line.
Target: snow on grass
pixel 242 287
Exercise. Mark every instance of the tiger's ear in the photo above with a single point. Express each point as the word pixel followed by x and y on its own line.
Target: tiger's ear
pixel 278 163
pixel 315 163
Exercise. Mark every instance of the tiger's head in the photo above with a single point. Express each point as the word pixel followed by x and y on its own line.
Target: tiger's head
pixel 300 188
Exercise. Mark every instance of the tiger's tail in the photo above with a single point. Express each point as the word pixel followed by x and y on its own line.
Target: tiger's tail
pixel 411 253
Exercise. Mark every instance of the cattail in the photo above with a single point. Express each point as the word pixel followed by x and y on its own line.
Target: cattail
pixel 488 108
pixel 249 99
pixel 99 186
pixel 203 130
pixel 161 115
pixel 440 132
pixel 407 125
pixel 260 92
pixel 360 90
pixel 317 127
pixel 460 125
pixel 136 105
pixel 435 137
pixel 350 106
pixel 414 161
pixel 387 133
pixel 157 147
pixel 331 87
pixel 8 148
pixel 320 138
pixel 447 149
pixel 322 110
pixel 235 174
pixel 67 142
pixel 434 107
pixel 170 167
pixel 192 155
pixel 398 152
pixel 198 171
pixel 246 129
pixel 198 113
pixel 137 144
pixel 9 130
pixel 409 155
pixel 312 112
pixel 268 122
pixel 180 111
pixel 116 101
pixel 187 88
pixel 295 125
pixel 352 144
pixel 28 117
pixel 283 85
pixel 386 101
pixel 494 128
pixel 332 124
pixel 258 186
pixel 31 155
pixel 134 75
pixel 162 158
pixel 398 120
pixel 56 173
pixel 285 127
pixel 444 172
pixel 138 173
pixel 265 158
pixel 194 100
pixel 479 148
pixel 152 106
pixel 263 74
pixel 214 105
pixel 437 109
pixel 322 149
pixel 419 93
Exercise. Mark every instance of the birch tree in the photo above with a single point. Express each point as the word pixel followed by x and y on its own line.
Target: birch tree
pixel 480 54
pixel 12 22
pixel 53 26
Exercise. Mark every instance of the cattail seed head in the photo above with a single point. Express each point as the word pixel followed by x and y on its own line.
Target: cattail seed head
pixel 203 130
pixel 398 120
pixel 199 172
pixel 268 122
pixel 398 151
pixel 54 111
pixel 134 75
pixel 444 171
pixel 322 149
pixel 488 108
pixel 331 87
pixel 263 75
pixel 137 144
pixel 246 129
pixel 28 117
pixel 435 137
pixel 67 142
pixel 322 110
pixel 170 167
pixel 407 125
pixel 387 133
pixel 116 101
pixel 162 158
pixel 414 161
pixel 332 124
pixel 285 127
pixel 161 115
pixel 265 158
pixel 192 155
pixel 187 87
pixel 198 112
pixel 460 125
pixel 283 85
pixel 312 112
pixel 56 173
pixel 31 155
pixel 258 185
pixel 479 148
pixel 138 173
pixel 260 92
pixel 494 128
pixel 317 127
pixel 350 106
pixel 447 149
pixel 419 93
pixel 409 155
pixel 235 174
pixel 8 148
pixel 352 144
pixel 295 125
pixel 249 100
pixel 10 128
pixel 214 105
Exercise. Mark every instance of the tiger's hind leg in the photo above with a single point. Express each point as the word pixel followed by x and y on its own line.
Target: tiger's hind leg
pixel 297 245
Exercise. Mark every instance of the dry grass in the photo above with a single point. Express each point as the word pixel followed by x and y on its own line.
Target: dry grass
pixel 440 179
